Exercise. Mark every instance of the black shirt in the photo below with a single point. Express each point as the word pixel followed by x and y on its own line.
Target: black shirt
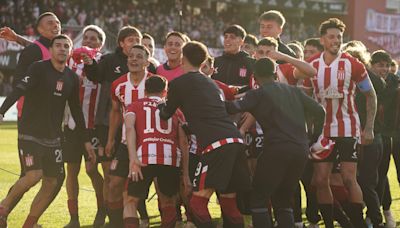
pixel 390 102
pixel 202 103
pixel 234 69
pixel 281 111
pixel 361 102
pixel 109 68
pixel 30 54
pixel 284 49
pixel 46 92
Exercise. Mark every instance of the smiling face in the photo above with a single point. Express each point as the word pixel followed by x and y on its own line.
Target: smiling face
pixel 232 43
pixel 49 27
pixel 138 60
pixel 173 48
pixel 270 29
pixel 129 42
pixel 381 69
pixel 332 41
pixel 91 39
pixel 61 50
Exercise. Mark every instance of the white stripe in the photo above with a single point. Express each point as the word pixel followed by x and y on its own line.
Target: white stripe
pixel 229 140
pixel 167 154
pixel 204 169
pixel 152 153
pixel 216 145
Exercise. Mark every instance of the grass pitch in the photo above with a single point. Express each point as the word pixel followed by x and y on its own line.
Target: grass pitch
pixel 57 214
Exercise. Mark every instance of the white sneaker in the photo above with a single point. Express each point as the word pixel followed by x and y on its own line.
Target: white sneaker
pixel 390 222
pixel 313 225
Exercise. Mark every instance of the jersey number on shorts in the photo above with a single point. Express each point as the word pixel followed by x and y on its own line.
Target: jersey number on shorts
pixel 58 154
pixel 150 128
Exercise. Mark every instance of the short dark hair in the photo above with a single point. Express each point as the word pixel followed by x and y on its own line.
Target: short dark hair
pixel 264 67
pixel 143 48
pixel 98 30
pixel 175 33
pixel 268 41
pixel 61 37
pixel 128 31
pixel 147 36
pixel 331 23
pixel 195 52
pixel 298 49
pixel 155 84
pixel 380 56
pixel 43 15
pixel 315 43
pixel 237 30
pixel 251 39
pixel 273 15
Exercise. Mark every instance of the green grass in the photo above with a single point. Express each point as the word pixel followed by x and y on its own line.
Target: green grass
pixel 57 214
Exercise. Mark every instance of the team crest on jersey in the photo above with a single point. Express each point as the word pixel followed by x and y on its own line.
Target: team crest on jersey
pixel 29 160
pixel 242 72
pixel 59 86
pixel 341 74
pixel 114 164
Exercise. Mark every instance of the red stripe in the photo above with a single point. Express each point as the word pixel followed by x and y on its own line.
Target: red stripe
pixel 328 120
pixel 221 143
pixel 339 114
pixel 202 180
pixel 350 110
pixel 135 95
pixel 160 154
pixel 122 94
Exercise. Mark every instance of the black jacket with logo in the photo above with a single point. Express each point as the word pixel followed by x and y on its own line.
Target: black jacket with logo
pixel 233 69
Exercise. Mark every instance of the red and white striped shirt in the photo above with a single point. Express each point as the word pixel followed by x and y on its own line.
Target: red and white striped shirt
pixel 285 74
pixel 157 139
pixel 125 93
pixel 88 94
pixel 334 87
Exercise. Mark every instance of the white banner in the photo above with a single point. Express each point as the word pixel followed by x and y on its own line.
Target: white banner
pixel 382 23
pixel 12 113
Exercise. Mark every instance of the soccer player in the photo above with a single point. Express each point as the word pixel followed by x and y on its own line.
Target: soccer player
pixel 148 41
pixel 312 47
pixel 234 67
pixel 125 90
pixel 280 109
pixel 334 87
pixel 157 148
pixel 93 37
pixel 250 45
pixel 271 25
pixel 222 165
pixel 48 26
pixel 171 69
pixel 47 86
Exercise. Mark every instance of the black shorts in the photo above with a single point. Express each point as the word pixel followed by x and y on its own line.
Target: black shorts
pixel 223 169
pixel 102 134
pixel 73 147
pixel 38 157
pixel 168 178
pixel 345 150
pixel 255 147
pixel 193 162
pixel 120 163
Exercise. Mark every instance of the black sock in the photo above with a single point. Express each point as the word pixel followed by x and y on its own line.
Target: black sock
pixel 341 218
pixel 115 216
pixel 355 213
pixel 284 217
pixel 261 218
pixel 327 214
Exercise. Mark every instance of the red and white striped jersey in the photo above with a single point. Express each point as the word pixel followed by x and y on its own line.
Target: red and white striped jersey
pixel 88 94
pixel 157 139
pixel 334 87
pixel 125 93
pixel 285 74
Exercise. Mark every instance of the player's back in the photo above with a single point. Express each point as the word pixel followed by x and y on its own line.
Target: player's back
pixel 157 139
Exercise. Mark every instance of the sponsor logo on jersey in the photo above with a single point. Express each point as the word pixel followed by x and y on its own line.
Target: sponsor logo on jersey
pixel 341 74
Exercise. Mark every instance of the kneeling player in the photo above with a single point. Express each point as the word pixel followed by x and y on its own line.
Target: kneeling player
pixel 156 148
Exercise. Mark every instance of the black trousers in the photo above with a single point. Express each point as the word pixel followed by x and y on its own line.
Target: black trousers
pixel 278 172
pixel 368 178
